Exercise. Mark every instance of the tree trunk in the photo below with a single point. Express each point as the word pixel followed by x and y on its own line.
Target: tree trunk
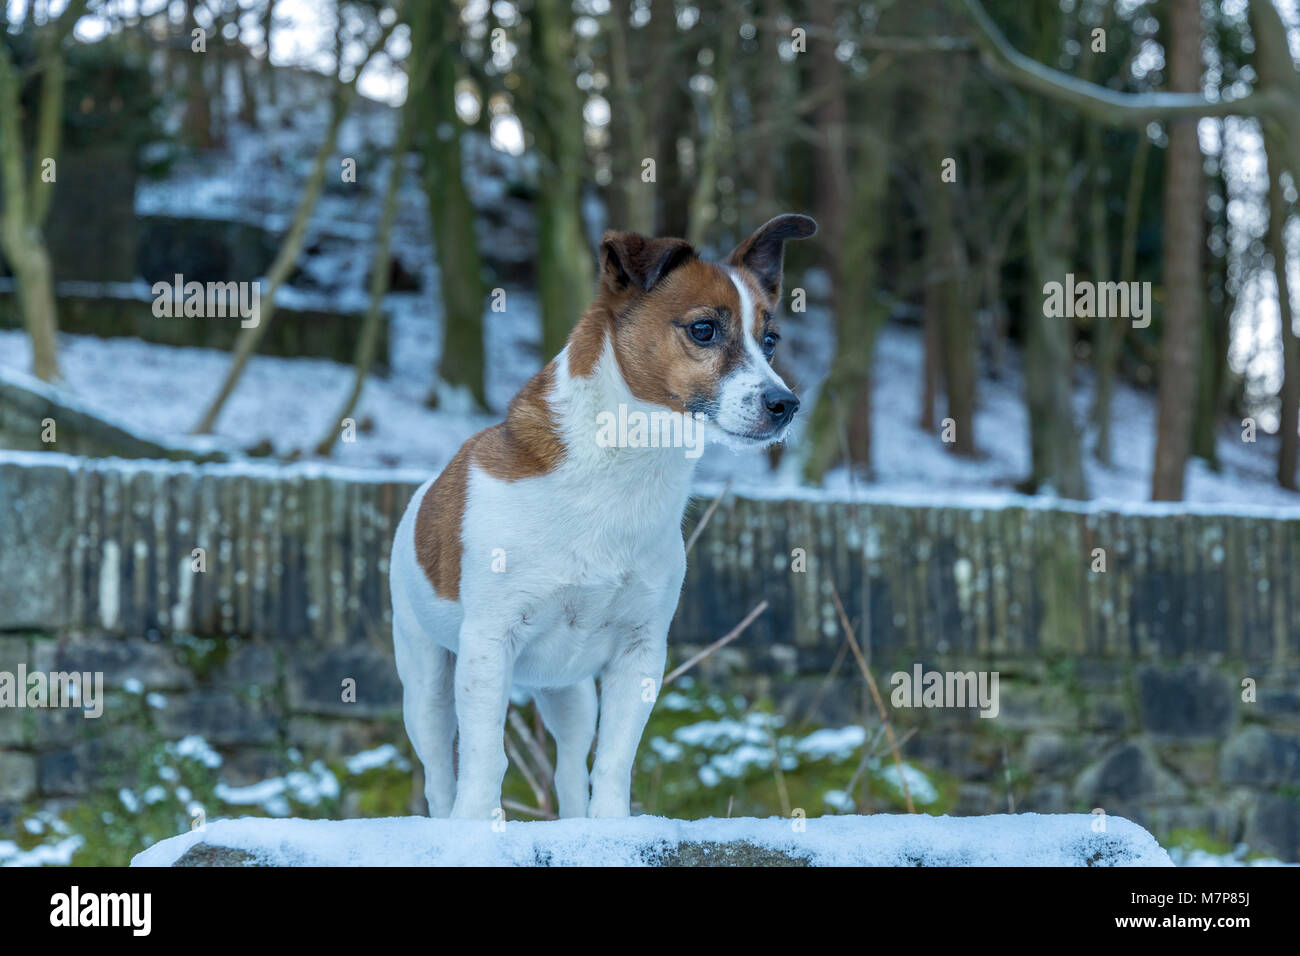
pixel 1213 369
pixel 1289 394
pixel 291 246
pixel 1112 337
pixel 1184 241
pixel 565 267
pixel 268 25
pixel 1053 435
pixel 379 278
pixel 24 248
pixel 197 121
pixel 26 204
pixel 764 153
pixel 634 199
pixel 839 429
pixel 704 199
pixel 434 48
pixel 950 327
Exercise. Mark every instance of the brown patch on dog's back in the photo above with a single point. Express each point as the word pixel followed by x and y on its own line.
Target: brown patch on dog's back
pixel 438 544
pixel 525 445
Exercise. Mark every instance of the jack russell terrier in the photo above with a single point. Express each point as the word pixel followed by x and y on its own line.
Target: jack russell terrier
pixel 542 558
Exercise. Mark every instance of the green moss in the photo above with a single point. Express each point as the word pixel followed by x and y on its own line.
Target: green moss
pixel 202 656
pixel 1195 839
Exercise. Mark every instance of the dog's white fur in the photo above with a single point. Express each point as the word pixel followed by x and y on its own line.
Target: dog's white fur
pixel 594 567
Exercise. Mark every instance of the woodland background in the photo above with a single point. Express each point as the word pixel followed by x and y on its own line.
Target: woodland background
pixel 1123 141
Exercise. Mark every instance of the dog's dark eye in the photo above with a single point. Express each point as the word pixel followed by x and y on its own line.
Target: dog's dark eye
pixel 769 344
pixel 703 332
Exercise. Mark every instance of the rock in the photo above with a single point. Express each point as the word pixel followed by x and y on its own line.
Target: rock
pixel 1273 826
pixel 1192 701
pixel 1046 752
pixel 35 538
pixel 17 776
pixel 1258 757
pixel 316 685
pixel 219 717
pixel 154 665
pixel 1027 839
pixel 1129 772
pixel 204 854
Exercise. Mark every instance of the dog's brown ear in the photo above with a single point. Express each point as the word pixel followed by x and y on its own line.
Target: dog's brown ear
pixel 629 260
pixel 763 253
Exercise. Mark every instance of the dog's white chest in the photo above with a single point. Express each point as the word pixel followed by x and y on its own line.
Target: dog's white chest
pixel 574 631
pixel 584 565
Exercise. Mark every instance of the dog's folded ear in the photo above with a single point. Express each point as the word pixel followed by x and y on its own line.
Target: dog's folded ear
pixel 763 253
pixel 629 260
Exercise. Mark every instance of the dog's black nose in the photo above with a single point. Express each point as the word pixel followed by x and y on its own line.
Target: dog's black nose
pixel 781 405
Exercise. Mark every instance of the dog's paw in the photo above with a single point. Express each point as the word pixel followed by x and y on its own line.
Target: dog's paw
pixel 608 808
pixel 477 809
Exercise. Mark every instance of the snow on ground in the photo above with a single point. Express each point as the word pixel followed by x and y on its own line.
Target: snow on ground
pixel 290 402
pixel 910 460
pixel 1026 839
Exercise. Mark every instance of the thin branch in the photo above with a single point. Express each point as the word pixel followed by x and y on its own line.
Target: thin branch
pixel 721 642
pixel 531 811
pixel 875 695
pixel 535 749
pixel 713 506
pixel 1099 102
pixel 516 758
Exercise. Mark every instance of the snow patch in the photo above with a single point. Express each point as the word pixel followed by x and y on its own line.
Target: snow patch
pixel 882 840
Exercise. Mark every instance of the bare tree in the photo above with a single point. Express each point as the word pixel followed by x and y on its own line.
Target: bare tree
pixel 435 49
pixel 634 197
pixel 381 270
pixel 291 246
pixel 1289 394
pixel 565 265
pixel 27 201
pixel 1184 243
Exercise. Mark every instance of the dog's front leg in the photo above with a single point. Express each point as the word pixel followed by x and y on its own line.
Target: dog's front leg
pixel 629 685
pixel 484 667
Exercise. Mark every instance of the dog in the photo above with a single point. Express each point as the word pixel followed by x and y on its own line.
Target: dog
pixel 541 559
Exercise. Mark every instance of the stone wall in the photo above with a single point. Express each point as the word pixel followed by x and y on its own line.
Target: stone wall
pixel 126 309
pixel 35 416
pixel 1120 689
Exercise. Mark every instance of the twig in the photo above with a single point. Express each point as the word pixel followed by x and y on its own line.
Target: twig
pixel 518 760
pixel 535 750
pixel 730 636
pixel 782 792
pixel 713 506
pixel 531 811
pixel 867 753
pixel 1006 766
pixel 826 683
pixel 875 695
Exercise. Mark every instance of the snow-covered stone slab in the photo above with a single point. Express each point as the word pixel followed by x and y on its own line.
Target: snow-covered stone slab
pixel 1026 839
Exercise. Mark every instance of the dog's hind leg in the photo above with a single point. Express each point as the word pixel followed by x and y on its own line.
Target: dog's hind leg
pixel 429 711
pixel 570 715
